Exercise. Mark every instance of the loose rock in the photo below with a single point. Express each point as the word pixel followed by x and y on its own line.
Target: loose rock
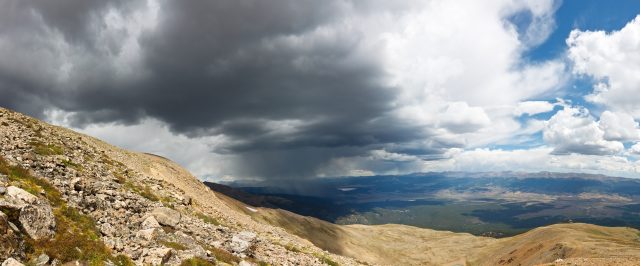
pixel 242 241
pixel 166 216
pixel 21 195
pixel 12 262
pixel 38 221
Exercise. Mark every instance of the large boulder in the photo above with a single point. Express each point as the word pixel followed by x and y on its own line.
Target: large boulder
pixel 38 221
pixel 166 216
pixel 21 196
pixel 35 215
pixel 242 241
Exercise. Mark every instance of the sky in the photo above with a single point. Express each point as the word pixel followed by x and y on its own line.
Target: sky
pixel 282 90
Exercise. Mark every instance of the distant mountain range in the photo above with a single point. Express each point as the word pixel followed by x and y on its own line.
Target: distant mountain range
pixel 492 203
pixel 70 199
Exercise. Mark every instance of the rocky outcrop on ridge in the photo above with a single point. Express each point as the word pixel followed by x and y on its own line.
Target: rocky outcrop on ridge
pixel 69 198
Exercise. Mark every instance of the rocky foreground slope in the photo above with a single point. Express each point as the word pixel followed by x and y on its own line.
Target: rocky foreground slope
pixel 69 198
pixel 66 197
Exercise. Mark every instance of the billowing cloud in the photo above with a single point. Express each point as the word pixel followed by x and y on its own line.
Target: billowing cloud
pixel 619 126
pixel 291 88
pixel 635 149
pixel 298 84
pixel 612 59
pixel 574 130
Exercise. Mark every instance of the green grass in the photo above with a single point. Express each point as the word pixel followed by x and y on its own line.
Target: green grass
pixel 144 191
pixel 328 261
pixel 22 178
pixel 70 164
pixel 122 260
pixel 223 255
pixel 207 219
pixel 46 149
pixel 195 261
pixel 173 245
pixel 76 236
pixel 292 248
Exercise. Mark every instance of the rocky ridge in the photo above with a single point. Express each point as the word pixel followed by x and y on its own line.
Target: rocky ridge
pixel 66 197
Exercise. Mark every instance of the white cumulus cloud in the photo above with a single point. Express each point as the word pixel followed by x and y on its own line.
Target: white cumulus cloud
pixel 619 126
pixel 613 59
pixel 574 130
pixel 533 108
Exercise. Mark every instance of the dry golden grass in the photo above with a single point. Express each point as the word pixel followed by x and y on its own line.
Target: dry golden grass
pixel 406 245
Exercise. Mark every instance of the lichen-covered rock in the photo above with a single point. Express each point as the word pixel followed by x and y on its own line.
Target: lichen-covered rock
pixel 38 221
pixel 166 216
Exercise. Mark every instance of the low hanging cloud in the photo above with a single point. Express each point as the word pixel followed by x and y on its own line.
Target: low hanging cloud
pixel 290 88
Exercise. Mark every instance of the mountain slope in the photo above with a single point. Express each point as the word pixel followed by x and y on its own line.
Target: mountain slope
pixel 65 196
pixel 407 245
pixel 68 197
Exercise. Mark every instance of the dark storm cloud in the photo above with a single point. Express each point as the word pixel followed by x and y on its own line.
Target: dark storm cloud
pixel 237 68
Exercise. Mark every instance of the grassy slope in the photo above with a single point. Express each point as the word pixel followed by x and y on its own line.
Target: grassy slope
pixel 406 245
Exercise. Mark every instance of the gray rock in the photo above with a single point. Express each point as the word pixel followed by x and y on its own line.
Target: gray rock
pixel 38 221
pixel 245 263
pixel 12 204
pixel 14 227
pixel 106 229
pixel 21 195
pixel 147 234
pixel 43 259
pixel 4 180
pixel 186 200
pixel 11 262
pixel 158 256
pixel 242 241
pixel 166 216
pixel 150 222
pixel 3 190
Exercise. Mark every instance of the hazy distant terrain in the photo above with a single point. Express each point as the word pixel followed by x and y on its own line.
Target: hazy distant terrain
pixel 495 204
